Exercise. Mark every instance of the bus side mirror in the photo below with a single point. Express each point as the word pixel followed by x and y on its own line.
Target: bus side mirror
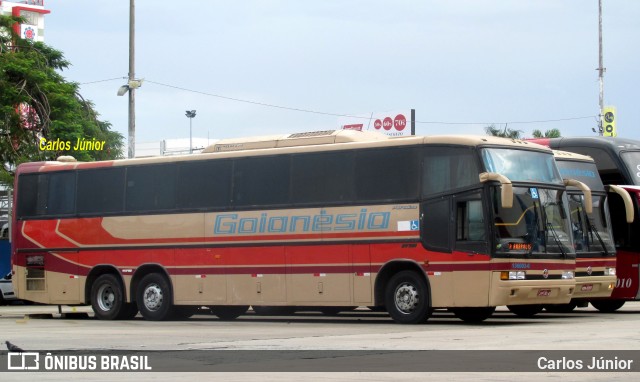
pixel 506 189
pixel 628 204
pixel 588 201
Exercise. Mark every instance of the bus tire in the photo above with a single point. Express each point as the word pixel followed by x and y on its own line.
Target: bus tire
pixel 474 314
pixel 407 298
pixel 107 298
pixel 229 312
pixel 607 306
pixel 525 311
pixel 154 297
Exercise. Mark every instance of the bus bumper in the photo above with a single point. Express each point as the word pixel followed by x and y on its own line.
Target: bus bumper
pixel 527 292
pixel 594 286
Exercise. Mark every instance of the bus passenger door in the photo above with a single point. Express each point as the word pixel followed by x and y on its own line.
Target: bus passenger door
pixel 472 273
pixel 436 227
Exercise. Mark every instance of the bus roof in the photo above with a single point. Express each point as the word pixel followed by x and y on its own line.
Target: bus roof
pixel 300 142
pixel 566 155
pixel 615 143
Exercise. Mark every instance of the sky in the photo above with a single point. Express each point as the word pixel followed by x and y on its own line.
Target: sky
pixel 461 64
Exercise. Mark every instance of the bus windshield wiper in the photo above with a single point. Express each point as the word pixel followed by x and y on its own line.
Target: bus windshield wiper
pixel 556 238
pixel 592 229
pixel 534 237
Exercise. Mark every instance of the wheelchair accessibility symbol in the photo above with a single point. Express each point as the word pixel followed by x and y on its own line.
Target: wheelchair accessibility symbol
pixel 534 193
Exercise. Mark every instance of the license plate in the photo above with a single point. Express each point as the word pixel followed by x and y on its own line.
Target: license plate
pixel 544 293
pixel 587 288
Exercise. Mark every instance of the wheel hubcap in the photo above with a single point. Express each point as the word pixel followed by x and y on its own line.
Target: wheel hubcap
pixel 106 298
pixel 407 298
pixel 153 297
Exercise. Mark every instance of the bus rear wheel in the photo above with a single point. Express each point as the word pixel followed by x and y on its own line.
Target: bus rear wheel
pixel 154 297
pixel 607 306
pixel 107 298
pixel 407 298
pixel 525 311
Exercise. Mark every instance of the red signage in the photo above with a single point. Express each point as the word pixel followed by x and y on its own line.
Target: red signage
pixel 387 123
pixel 544 293
pixel 400 122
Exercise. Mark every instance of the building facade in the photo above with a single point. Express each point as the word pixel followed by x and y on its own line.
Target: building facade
pixel 33 11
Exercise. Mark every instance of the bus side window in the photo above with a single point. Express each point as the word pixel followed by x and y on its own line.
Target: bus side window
pixel 471 230
pixel 470 221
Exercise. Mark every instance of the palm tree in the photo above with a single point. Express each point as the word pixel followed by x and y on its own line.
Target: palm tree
pixel 553 133
pixel 506 133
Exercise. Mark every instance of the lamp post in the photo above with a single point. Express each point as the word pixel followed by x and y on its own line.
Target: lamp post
pixel 132 83
pixel 190 114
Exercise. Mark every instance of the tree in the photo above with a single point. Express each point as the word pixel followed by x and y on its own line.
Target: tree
pixel 506 133
pixel 553 133
pixel 37 103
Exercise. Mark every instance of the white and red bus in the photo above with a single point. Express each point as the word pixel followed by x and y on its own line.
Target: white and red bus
pixel 326 219
pixel 592 232
pixel 618 163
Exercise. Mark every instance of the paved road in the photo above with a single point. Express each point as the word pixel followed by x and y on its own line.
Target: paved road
pixel 32 328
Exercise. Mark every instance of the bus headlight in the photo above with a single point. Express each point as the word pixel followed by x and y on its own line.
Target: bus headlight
pixel 566 275
pixel 513 275
pixel 609 271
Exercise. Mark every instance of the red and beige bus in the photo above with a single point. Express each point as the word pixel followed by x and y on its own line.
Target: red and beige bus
pixel 618 163
pixel 592 232
pixel 326 219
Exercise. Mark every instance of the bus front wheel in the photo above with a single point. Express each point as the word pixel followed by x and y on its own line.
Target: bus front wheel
pixel 154 297
pixel 407 298
pixel 607 306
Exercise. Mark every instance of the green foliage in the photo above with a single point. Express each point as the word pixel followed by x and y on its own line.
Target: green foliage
pixel 36 102
pixel 517 134
pixel 553 133
pixel 506 133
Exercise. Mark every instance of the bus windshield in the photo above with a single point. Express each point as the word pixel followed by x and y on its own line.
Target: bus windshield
pixel 537 223
pixel 632 161
pixel 585 172
pixel 590 233
pixel 521 165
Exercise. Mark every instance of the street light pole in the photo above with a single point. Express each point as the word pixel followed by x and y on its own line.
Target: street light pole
pixel 190 114
pixel 601 68
pixel 132 98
